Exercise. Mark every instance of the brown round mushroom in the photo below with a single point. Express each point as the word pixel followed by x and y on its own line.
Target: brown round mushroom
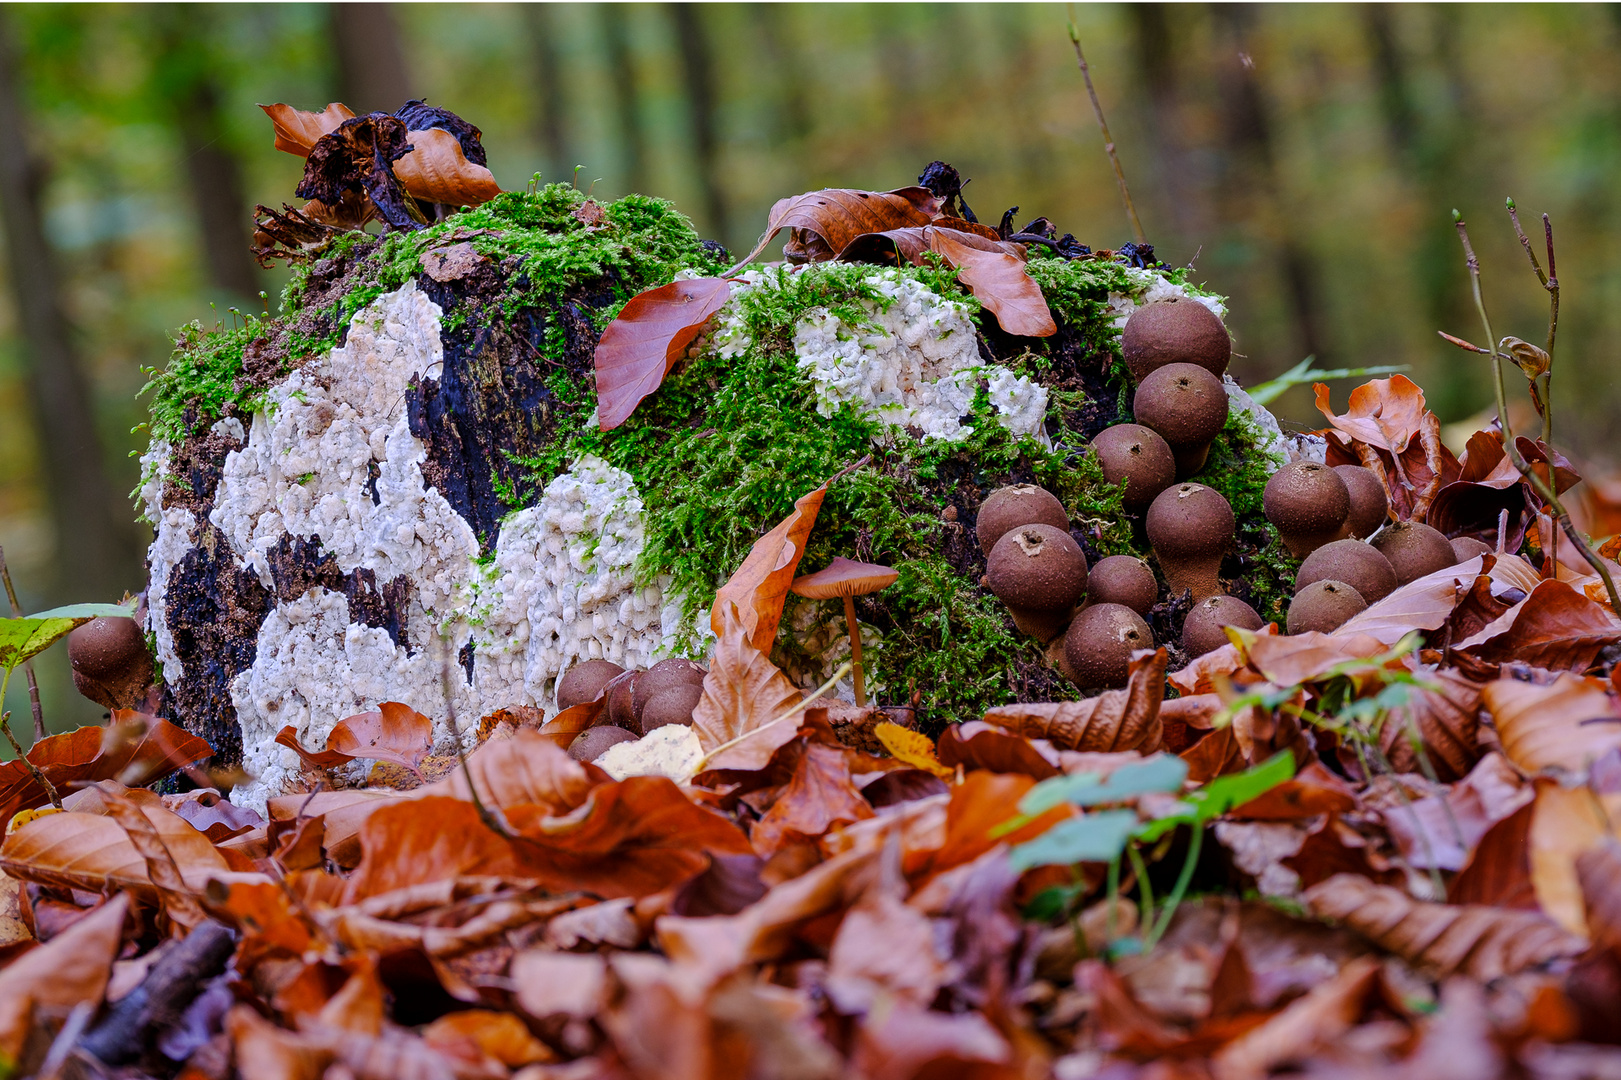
pixel 847 579
pixel 1204 630
pixel 1099 644
pixel 662 676
pixel 1005 509
pixel 1357 564
pixel 1037 567
pixel 1171 331
pixel 1044 626
pixel 1122 579
pixel 1323 606
pixel 1187 406
pixel 592 743
pixel 1370 506
pixel 1137 457
pixel 1467 547
pixel 584 681
pixel 1414 550
pixel 621 695
pixel 111 665
pixel 1191 527
pixel 672 705
pixel 1308 503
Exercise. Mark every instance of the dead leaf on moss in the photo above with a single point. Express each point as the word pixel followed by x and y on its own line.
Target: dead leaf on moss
pixel 758 590
pixel 824 222
pixel 646 340
pixel 437 171
pixel 358 156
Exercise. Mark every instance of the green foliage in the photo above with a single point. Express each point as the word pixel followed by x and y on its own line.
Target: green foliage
pixel 201 382
pixel 23 637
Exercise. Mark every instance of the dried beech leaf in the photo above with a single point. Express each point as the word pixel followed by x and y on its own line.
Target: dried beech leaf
pixel 1446 722
pixel 437 171
pixel 643 343
pixel 1567 725
pixel 1115 720
pixel 824 222
pixel 1566 823
pixel 999 281
pixel 910 747
pixel 1555 627
pixel 93 852
pixel 71 968
pixel 179 901
pixel 297 130
pixel 978 745
pixel 134 749
pixel 394 733
pixel 358 157
pixel 312 759
pixel 820 796
pixel 1384 413
pixel 1481 942
pixel 757 592
pixel 744 693
pixel 1598 869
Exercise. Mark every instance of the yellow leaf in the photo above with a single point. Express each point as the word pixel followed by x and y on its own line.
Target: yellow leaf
pixel 23 817
pixel 911 747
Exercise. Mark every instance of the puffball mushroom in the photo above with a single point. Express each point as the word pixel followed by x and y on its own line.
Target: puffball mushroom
pixel 1039 567
pixel 661 677
pixel 1308 502
pixel 1137 457
pixel 1414 549
pixel 847 579
pixel 592 743
pixel 1357 564
pixel 1044 626
pixel 673 705
pixel 1005 509
pixel 1191 527
pixel 1467 547
pixel 1122 579
pixel 1204 629
pixel 1370 505
pixel 1171 331
pixel 584 681
pixel 1100 642
pixel 1323 606
pixel 1187 406
pixel 110 663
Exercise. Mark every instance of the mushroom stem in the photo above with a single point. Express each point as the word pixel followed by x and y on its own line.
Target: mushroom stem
pixel 855 648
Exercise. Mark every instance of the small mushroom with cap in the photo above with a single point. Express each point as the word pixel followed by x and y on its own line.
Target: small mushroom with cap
pixel 847 579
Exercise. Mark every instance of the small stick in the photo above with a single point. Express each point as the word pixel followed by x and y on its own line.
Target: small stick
pixel 1108 140
pixel 28 665
pixel 1550 282
pixel 855 648
pixel 1502 529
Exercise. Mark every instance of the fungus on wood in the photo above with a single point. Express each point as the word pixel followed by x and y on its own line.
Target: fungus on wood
pixel 847 579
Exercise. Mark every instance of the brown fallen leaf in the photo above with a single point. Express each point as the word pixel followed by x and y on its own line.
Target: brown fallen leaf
pixel 1115 720
pixel 999 281
pixel 1567 725
pixel 1566 823
pixel 824 222
pixel 1481 942
pixel 1445 722
pixel 1292 1036
pixel 1598 869
pixel 1555 627
pixel 93 852
pixel 820 796
pixel 50 980
pixel 978 745
pixel 484 1037
pixel 1388 429
pixel 646 340
pixel 179 900
pixel 135 749
pixel 1498 871
pixel 437 171
pixel 297 130
pixel 739 720
pixel 758 590
pixel 218 818
pixel 395 733
pixel 1442 831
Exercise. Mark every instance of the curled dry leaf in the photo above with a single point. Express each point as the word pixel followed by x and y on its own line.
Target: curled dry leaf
pixel 1445 722
pixel 999 281
pixel 437 171
pixel 179 900
pixel 1115 720
pixel 395 733
pixel 1567 725
pixel 739 719
pixel 644 342
pixel 978 745
pixel 820 797
pixel 71 968
pixel 358 156
pixel 297 130
pixel 756 593
pixel 1293 1035
pixel 134 749
pixel 1481 942
pixel 93 852
pixel 1388 430
pixel 1554 627
pixel 824 222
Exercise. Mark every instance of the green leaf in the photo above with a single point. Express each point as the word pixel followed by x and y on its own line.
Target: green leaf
pixel 1099 837
pixel 1226 792
pixel 24 637
pixel 1162 772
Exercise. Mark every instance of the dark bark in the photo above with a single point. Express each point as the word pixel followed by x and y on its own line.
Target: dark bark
pixel 178 976
pixel 626 98
pixel 97 547
pixel 1253 178
pixel 697 63
pixel 372 73
pixel 188 82
pixel 550 110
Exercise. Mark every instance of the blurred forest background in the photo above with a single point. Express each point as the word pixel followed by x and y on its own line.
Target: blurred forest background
pixel 1306 157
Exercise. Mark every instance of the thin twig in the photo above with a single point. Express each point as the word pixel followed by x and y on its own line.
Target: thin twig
pixel 1542 487
pixel 28 665
pixel 490 815
pixel 1108 140
pixel 1550 282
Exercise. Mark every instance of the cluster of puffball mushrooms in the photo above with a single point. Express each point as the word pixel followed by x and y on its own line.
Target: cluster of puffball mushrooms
pixel 1092 621
pixel 636 702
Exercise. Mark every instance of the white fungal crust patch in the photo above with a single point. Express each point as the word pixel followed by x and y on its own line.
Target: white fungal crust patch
pixel 1149 287
pixel 564 587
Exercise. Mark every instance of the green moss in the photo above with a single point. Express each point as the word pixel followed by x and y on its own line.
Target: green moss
pixel 201 382
pixel 1239 468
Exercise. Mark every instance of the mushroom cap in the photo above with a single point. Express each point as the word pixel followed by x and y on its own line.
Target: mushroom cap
pixel 1044 626
pixel 621 695
pixel 1323 606
pixel 592 743
pixel 1202 630
pixel 1175 330
pixel 1037 566
pixel 673 705
pixel 1184 403
pixel 1370 505
pixel 1005 509
pixel 110 663
pixel 844 577
pixel 662 676
pixel 1100 642
pixel 1138 457
pixel 1354 562
pixel 1414 549
pixel 1190 521
pixel 584 681
pixel 1122 579
pixel 1467 547
pixel 1306 497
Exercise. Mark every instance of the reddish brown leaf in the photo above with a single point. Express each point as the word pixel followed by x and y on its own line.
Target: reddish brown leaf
pixel 1565 824
pixel 1598 869
pixel 1445 721
pixel 71 968
pixel 297 130
pixel 1115 720
pixel 1440 832
pixel 1302 658
pixel 1555 627
pixel 981 803
pixel 135 750
pixel 999 281
pixel 93 852
pixel 1499 870
pixel 394 733
pixel 1313 791
pixel 1425 604
pixel 1567 725
pixel 437 171
pixel 978 745
pixel 312 759
pixel 642 345
pixel 820 796
pixel 1294 1035
pixel 759 588
pixel 1201 675
pixel 824 222
pixel 1384 413
pixel 495 1040
pixel 1481 942
pixel 179 900
pixel 739 719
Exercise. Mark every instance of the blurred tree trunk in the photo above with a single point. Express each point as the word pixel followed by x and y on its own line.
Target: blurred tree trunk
pixel 699 67
pixel 783 59
pixel 98 553
pixel 372 74
pixel 187 80
pixel 626 99
pixel 1179 191
pixel 549 115
pixel 1251 184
